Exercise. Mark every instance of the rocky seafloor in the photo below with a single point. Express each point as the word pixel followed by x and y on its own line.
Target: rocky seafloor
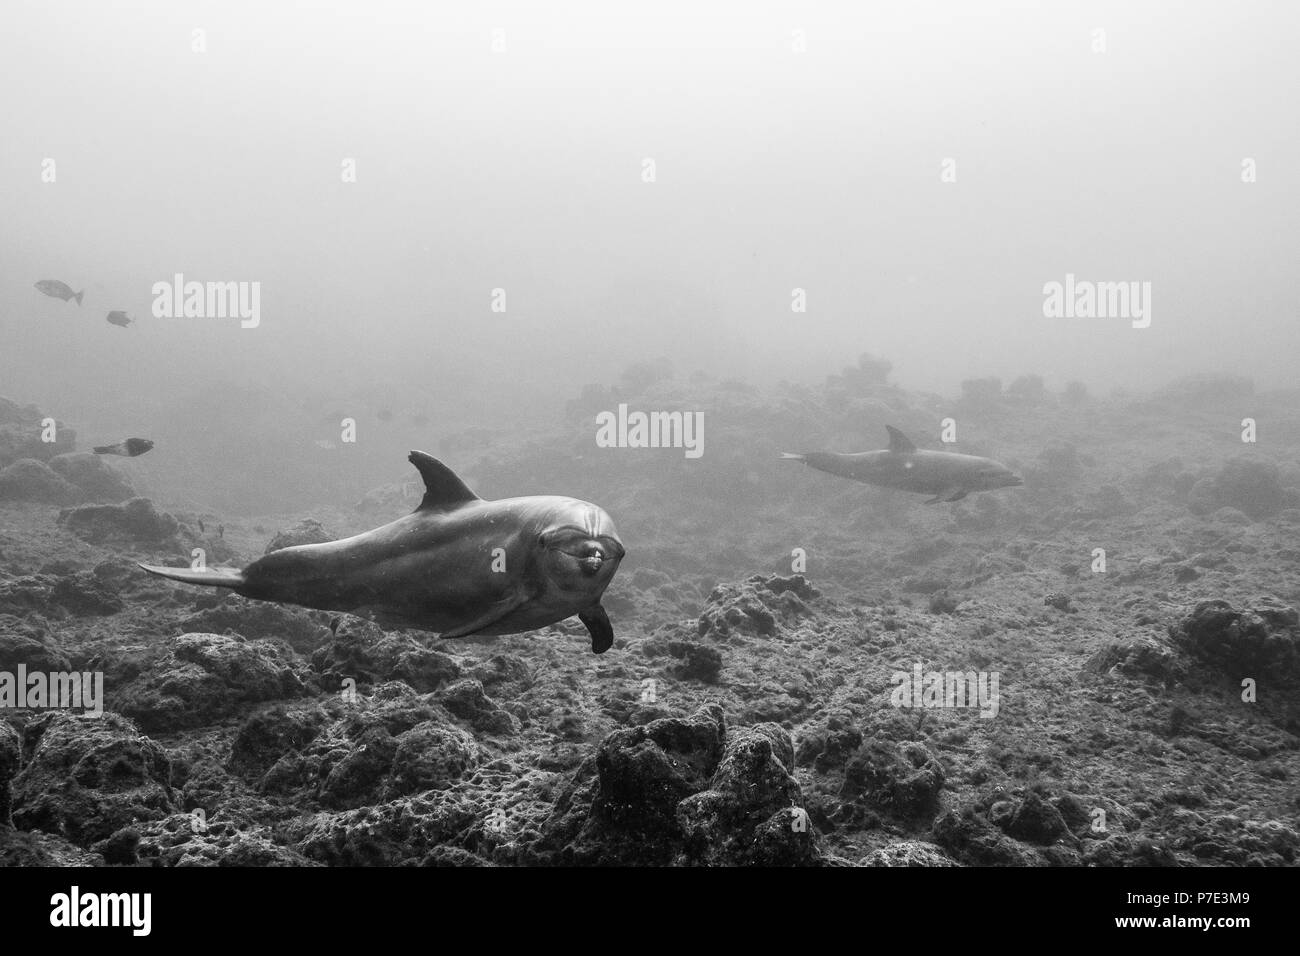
pixel 1147 712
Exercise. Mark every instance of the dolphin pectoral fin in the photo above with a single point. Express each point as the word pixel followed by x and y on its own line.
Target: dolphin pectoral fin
pixel 935 500
pixel 957 495
pixel 597 622
pixel 493 614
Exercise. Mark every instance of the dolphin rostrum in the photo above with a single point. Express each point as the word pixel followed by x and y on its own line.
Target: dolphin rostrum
pixel 457 565
pixel 945 474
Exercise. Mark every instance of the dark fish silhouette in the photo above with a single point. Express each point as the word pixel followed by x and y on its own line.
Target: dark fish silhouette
pixel 945 474
pixel 131 448
pixel 59 290
pixel 119 318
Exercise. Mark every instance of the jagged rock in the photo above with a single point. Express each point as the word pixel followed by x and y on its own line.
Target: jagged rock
pixel 1034 820
pixel 10 752
pixel 1128 851
pixel 94 479
pixel 909 853
pixel 796 584
pixel 362 652
pixel 22 434
pixel 698 661
pixel 30 647
pixel 677 790
pixel 431 756
pixel 1238 643
pixel 136 521
pixel 897 778
pixel 85 594
pixel 22 596
pixel 268 735
pixel 1059 601
pixel 20 848
pixel 1249 485
pixel 354 779
pixel 620 807
pixel 453 856
pixel 828 749
pixel 31 480
pixel 1142 657
pixel 181 840
pixel 300 628
pixel 400 832
pixel 307 531
pixel 751 813
pixel 755 606
pixel 505 670
pixel 121 848
pixel 972 839
pixel 941 602
pixel 738 609
pixel 392 743
pixel 205 677
pixel 467 700
pixel 85 777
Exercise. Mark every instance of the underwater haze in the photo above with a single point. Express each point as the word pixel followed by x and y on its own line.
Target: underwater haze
pixel 730 434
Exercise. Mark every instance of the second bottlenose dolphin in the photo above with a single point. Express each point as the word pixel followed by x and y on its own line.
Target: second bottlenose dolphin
pixel 457 565
pixel 945 474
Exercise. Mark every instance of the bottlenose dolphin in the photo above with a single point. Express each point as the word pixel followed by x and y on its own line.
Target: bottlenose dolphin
pixel 945 474
pixel 457 565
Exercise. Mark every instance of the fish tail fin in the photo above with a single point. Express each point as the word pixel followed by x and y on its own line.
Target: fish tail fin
pixel 786 456
pixel 79 295
pixel 209 577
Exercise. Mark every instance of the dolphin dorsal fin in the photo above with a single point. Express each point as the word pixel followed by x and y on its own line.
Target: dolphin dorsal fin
pixel 443 490
pixel 898 442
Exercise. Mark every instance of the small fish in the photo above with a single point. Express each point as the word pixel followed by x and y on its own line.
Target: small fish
pixel 59 290
pixel 202 530
pixel 221 531
pixel 118 317
pixel 131 448
pixel 325 443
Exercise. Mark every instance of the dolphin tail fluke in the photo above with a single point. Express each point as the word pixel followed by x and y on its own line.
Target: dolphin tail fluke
pixel 786 456
pixel 79 295
pixel 209 577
